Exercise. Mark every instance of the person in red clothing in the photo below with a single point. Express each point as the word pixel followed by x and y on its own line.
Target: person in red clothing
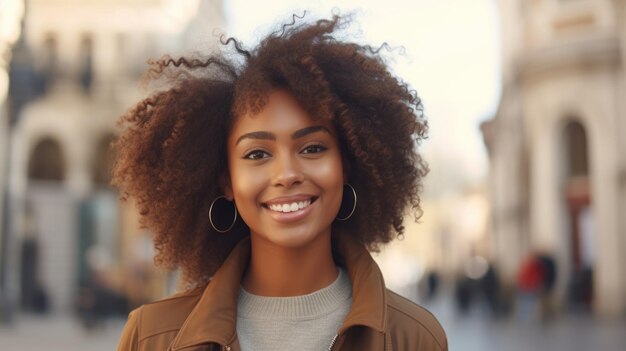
pixel 531 275
pixel 536 280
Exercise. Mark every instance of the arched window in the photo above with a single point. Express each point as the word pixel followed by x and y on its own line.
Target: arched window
pixel 46 161
pixel 49 68
pixel 576 150
pixel 86 63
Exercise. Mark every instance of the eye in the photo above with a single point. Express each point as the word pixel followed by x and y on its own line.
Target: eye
pixel 256 155
pixel 314 149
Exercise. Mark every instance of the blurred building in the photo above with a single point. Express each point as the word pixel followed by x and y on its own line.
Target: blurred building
pixel 558 165
pixel 73 72
pixel 11 14
pixel 452 233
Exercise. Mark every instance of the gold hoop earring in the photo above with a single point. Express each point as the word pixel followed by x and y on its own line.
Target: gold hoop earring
pixel 219 211
pixel 347 206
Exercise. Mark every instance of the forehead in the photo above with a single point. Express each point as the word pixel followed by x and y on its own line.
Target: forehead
pixel 281 114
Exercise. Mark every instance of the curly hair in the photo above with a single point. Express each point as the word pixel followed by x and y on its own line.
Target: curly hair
pixel 172 152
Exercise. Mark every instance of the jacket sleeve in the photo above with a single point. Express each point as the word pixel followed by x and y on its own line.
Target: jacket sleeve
pixel 129 341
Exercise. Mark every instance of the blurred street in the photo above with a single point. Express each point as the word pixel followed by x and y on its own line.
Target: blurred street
pixel 479 332
pixel 474 332
pixel 58 332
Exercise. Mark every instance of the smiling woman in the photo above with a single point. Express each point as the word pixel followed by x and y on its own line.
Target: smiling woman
pixel 302 157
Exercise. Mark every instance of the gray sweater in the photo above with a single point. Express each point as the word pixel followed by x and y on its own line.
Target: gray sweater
pixel 307 322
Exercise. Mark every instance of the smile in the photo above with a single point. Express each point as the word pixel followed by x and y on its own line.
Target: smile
pixel 290 206
pixel 294 206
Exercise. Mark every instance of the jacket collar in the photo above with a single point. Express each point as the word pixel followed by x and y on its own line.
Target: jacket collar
pixel 214 318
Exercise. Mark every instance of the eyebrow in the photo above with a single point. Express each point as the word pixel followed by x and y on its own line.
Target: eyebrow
pixel 262 135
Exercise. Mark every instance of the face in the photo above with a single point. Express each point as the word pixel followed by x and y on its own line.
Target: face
pixel 286 175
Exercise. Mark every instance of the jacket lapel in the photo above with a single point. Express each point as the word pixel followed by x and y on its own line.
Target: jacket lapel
pixel 214 318
pixel 369 298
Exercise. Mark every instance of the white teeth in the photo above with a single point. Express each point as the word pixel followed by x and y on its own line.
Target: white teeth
pixel 291 207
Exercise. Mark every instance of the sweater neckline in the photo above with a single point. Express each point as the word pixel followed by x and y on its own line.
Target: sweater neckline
pixel 318 303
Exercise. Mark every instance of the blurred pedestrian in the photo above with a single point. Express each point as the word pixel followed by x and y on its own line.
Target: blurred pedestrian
pixel 490 286
pixel 548 284
pixel 529 280
pixel 34 295
pixel 463 293
pixel 99 300
pixel 429 285
pixel 536 282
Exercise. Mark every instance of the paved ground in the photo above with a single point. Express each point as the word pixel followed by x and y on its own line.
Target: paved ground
pixel 478 332
pixel 62 333
pixel 472 333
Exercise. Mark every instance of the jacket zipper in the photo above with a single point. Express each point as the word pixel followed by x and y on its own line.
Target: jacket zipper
pixel 332 343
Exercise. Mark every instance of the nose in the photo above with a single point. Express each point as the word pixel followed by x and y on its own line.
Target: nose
pixel 287 171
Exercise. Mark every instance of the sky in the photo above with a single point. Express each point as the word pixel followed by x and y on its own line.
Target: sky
pixel 452 60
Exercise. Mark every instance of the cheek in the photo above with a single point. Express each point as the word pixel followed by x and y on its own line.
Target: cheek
pixel 330 173
pixel 246 185
pixel 329 176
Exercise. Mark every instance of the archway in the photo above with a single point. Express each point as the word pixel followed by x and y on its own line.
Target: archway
pixel 46 171
pixel 46 162
pixel 580 233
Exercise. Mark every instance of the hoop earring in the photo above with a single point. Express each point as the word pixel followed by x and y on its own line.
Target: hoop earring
pixel 347 206
pixel 221 210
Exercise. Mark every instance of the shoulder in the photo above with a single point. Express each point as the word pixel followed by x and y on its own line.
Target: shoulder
pixel 148 320
pixel 176 308
pixel 410 323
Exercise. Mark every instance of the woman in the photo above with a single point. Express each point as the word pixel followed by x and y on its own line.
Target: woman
pixel 302 154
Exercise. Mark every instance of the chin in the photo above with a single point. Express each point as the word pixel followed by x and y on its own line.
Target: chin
pixel 294 239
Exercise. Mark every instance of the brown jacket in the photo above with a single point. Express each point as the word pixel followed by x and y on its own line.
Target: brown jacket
pixel 205 318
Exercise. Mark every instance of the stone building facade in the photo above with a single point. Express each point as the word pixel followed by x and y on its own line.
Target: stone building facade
pixel 75 70
pixel 558 157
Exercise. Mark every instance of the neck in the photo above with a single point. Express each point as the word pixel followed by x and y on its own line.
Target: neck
pixel 286 271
